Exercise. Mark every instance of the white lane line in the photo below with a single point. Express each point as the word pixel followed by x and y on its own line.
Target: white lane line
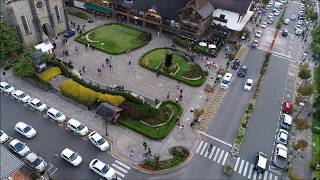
pixel 260 176
pixel 216 155
pixel 265 175
pixel 241 166
pixel 214 138
pixel 199 147
pixel 254 175
pixel 119 173
pixel 123 164
pixel 275 177
pixel 119 178
pixel 207 152
pixel 212 151
pixel 120 168
pixel 54 171
pixel 237 163
pixel 221 155
pixel 250 170
pixel 270 176
pixel 204 148
pixel 225 158
pixel 245 169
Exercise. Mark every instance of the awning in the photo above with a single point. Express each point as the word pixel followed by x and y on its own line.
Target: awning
pixel 44 47
pixel 97 9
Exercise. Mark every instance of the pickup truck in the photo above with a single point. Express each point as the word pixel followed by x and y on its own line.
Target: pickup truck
pixel 280 156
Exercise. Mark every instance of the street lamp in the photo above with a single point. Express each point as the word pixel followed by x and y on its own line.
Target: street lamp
pixel 4 74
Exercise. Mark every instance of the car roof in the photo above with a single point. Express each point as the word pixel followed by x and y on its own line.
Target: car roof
pixel 249 80
pixel 4 83
pixel 32 156
pixel 287 119
pixel 52 110
pixel 74 122
pixel 99 164
pixel 35 100
pixel 95 136
pixel 68 152
pixel 18 92
pixel 282 152
pixel 262 162
pixel 21 124
pixel 15 141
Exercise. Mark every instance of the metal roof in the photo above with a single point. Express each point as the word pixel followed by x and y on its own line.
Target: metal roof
pixel 9 163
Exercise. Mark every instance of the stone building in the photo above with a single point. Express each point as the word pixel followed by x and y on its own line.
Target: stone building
pixel 35 20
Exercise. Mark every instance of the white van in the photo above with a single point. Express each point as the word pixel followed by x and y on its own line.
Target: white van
pixel 226 81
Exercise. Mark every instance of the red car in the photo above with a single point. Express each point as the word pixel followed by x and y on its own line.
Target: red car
pixel 287 107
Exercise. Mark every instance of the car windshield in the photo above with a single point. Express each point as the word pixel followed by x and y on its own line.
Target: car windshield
pixel 37 162
pixel 19 146
pixel 101 141
pixel 7 86
pixel 23 95
pixel 73 156
pixel 225 81
pixel 39 104
pixel 248 84
pixel 59 114
pixel 1 133
pixel 26 129
pixel 105 169
pixel 80 127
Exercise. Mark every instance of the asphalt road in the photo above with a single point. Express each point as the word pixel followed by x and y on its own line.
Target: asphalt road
pixel 50 140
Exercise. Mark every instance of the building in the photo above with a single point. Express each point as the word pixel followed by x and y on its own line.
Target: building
pixel 35 20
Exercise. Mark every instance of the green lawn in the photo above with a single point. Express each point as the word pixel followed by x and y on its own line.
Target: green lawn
pixel 114 38
pixel 182 69
pixel 151 132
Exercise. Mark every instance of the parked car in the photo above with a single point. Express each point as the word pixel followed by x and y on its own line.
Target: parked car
pixel 37 104
pixel 235 64
pixel 264 24
pixel 226 81
pixel 286 21
pixel 20 96
pixel 102 169
pixel 284 33
pixel 77 127
pixel 282 137
pixel 276 13
pixel 71 157
pixel 300 22
pixel 293 17
pixel 298 31
pixel 254 44
pixel 3 137
pixel 280 156
pixel 97 140
pixel 25 130
pixel 19 147
pixel 6 87
pixel 270 21
pixel 285 121
pixel 36 162
pixel 242 71
pixel 258 34
pixel 297 27
pixel 287 107
pixel 248 85
pixel 261 162
pixel 70 33
pixel 56 115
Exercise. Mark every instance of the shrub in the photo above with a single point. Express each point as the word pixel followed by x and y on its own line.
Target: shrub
pixel 301 124
pixel 78 13
pixel 306 89
pixel 304 72
pixel 200 49
pixel 300 144
pixel 50 73
pixel 138 111
pixel 181 42
pixel 231 57
pixel 195 71
pixel 87 96
pixel 24 67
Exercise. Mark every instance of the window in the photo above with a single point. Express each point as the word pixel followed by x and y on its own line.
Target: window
pixel 222 16
pixel 57 9
pixel 25 24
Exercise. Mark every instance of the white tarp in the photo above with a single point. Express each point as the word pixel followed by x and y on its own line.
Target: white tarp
pixel 44 47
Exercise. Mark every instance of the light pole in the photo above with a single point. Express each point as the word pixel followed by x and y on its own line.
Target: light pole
pixel 4 74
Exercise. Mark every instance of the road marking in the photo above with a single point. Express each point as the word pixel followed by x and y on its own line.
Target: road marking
pixel 265 175
pixel 260 176
pixel 210 156
pixel 241 166
pixel 221 155
pixel 245 168
pixel 225 158
pixel 204 148
pixel 54 171
pixel 254 175
pixel 123 164
pixel 250 171
pixel 237 163
pixel 120 168
pixel 270 176
pixel 207 152
pixel 51 166
pixel 199 147
pixel 216 155
pixel 275 177
pixel 214 138
pixel 118 178
pixel 119 173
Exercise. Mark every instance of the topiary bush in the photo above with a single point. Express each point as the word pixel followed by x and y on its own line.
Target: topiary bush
pixel 50 73
pixel 304 72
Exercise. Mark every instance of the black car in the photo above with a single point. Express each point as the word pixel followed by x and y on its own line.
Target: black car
pixel 69 33
pixel 242 71
pixel 236 63
pixel 285 33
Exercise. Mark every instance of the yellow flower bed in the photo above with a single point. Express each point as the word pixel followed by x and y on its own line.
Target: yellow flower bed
pixel 50 73
pixel 87 96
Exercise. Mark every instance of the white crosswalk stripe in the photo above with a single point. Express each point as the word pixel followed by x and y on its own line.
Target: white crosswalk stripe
pixel 237 163
pixel 270 176
pixel 204 148
pixel 241 165
pixel 120 168
pixel 250 170
pixel 122 164
pixel 216 155
pixel 221 155
pixel 199 147
pixel 275 177
pixel 265 175
pixel 212 151
pixel 119 173
pixel 207 152
pixel 254 175
pixel 260 176
pixel 245 168
pixel 225 158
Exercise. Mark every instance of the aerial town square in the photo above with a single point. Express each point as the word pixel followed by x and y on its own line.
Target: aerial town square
pixel 160 89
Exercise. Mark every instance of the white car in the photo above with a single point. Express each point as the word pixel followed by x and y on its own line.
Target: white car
pixel 97 140
pixel 282 137
pixel 37 104
pixel 56 115
pixel 293 17
pixel 277 13
pixel 20 95
pixel 102 169
pixel 19 147
pixel 25 130
pixel 300 22
pixel 77 127
pixel 286 21
pixel 71 156
pixel 264 24
pixel 6 87
pixel 3 137
pixel 248 85
pixel 258 34
pixel 270 16
pixel 36 162
pixel 297 27
pixel 286 121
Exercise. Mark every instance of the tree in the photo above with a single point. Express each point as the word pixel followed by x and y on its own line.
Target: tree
pixel 304 72
pixel 24 68
pixel 315 45
pixel 168 61
pixel 306 89
pixel 311 14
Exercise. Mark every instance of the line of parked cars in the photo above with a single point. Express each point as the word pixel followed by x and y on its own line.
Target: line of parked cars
pixel 67 154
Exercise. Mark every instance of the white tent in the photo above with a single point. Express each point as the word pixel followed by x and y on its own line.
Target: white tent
pixel 45 47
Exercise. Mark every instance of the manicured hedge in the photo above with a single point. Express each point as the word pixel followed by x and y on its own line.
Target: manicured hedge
pixel 87 96
pixel 50 73
pixel 78 13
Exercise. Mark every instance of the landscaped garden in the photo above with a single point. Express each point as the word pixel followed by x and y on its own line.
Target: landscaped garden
pixel 175 64
pixel 115 38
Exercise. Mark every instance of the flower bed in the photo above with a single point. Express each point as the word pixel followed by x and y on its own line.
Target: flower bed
pixel 50 73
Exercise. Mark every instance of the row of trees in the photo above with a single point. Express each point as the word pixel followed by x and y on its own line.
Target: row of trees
pixel 315 45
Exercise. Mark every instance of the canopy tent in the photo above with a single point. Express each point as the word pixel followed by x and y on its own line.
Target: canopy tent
pixel 108 112
pixel 98 9
pixel 44 47
pixel 202 44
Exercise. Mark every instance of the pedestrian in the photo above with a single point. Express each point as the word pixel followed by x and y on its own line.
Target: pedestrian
pixel 180 96
pixel 168 95
pixel 80 72
pixel 131 153
pixel 149 150
pixel 309 114
pixel 181 91
pixel 110 66
pixel 129 63
pixel 177 99
pixel 92 48
pixel 76 49
pixel 88 46
pixel 145 145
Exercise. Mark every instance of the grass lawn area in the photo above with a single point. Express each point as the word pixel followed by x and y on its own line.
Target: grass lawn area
pixel 114 38
pixel 50 73
pixel 181 69
pixel 152 132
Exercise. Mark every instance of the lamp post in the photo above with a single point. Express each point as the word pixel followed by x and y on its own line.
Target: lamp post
pixel 4 74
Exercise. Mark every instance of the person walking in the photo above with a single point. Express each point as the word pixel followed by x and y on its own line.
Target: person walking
pixel 129 63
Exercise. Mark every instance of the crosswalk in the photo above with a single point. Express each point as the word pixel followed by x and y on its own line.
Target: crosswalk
pixel 242 167
pixel 121 169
